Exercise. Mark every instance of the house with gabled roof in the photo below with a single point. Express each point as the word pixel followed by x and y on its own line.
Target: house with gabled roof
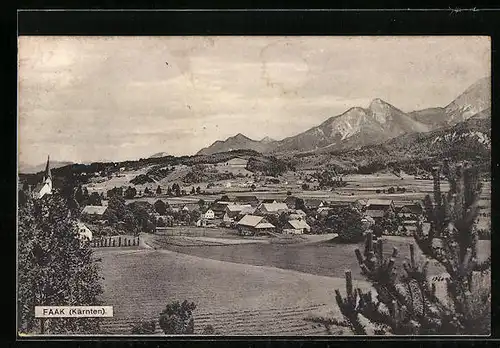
pixel 269 200
pixel 380 204
pixel 208 214
pixel 296 227
pixel 254 225
pixel 235 211
pixel 190 207
pixel 96 211
pixel 378 208
pixel 314 204
pixel 219 208
pixel 272 208
pixel 252 200
pixel 84 233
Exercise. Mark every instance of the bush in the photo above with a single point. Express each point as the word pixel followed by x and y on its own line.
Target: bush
pixel 209 330
pixel 347 224
pixel 160 207
pixel 144 328
pixel 141 179
pixel 177 318
pixel 484 234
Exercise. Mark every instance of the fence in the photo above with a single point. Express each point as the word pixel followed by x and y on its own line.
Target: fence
pixel 120 241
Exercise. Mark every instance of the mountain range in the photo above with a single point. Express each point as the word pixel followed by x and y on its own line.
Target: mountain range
pixel 30 169
pixel 359 127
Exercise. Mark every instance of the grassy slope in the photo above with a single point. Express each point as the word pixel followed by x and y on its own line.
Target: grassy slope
pixel 236 298
pixel 266 300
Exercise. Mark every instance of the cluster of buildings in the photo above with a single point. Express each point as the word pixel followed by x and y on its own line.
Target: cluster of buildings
pixel 252 216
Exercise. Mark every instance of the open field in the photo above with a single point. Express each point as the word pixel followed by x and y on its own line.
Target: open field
pixel 325 259
pixel 164 240
pixel 239 289
pixel 235 299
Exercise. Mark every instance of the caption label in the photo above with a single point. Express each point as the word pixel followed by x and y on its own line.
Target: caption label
pixel 73 311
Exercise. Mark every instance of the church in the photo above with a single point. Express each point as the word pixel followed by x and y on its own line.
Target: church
pixel 45 187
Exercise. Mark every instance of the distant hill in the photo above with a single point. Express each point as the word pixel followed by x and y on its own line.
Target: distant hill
pixel 267 140
pixel 32 169
pixel 159 155
pixel 433 117
pixel 237 142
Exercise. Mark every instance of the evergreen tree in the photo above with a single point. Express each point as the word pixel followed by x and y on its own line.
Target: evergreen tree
pixel 158 190
pixel 169 191
pixel 160 207
pixel 54 267
pixel 176 189
pixel 130 192
pixel 408 303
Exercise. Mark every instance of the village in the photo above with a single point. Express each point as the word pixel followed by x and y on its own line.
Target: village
pixel 289 207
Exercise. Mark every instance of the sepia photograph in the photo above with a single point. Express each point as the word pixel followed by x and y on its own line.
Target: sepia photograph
pixel 254 186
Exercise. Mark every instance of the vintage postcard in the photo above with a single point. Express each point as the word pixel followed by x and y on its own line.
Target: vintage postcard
pixel 257 186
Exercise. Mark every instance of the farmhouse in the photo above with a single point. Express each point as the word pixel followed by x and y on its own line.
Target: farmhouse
pixel 96 211
pixel 84 233
pixel 208 214
pixel 300 212
pixel 324 210
pixel 270 200
pixel 190 207
pixel 297 215
pixel 376 215
pixel 254 225
pixel 410 209
pixel 340 204
pixel 234 211
pixel 380 204
pixel 252 200
pixel 313 203
pixel 219 208
pixel 272 208
pixel 297 227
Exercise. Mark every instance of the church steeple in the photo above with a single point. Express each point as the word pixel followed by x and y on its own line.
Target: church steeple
pixel 47 173
pixel 45 187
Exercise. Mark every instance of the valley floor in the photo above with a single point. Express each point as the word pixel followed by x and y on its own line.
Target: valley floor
pixel 251 289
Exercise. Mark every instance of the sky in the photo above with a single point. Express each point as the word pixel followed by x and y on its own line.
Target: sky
pixel 85 99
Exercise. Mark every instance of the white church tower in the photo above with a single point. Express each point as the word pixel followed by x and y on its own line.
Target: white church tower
pixel 45 188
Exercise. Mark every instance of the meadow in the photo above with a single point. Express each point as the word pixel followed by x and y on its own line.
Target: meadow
pixel 248 289
pixel 236 299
